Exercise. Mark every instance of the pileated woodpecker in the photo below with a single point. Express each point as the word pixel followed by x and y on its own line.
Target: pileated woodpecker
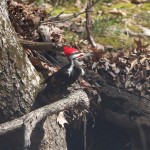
pixel 68 74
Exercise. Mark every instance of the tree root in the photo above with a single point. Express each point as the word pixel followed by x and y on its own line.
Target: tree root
pixel 30 120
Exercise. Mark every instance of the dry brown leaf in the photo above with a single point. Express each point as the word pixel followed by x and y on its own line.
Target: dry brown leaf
pixel 133 63
pixel 117 12
pixel 61 119
pixel 25 18
pixel 84 84
pixel 143 59
pixel 140 46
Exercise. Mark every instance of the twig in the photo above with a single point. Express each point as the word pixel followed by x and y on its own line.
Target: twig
pixel 51 19
pixel 38 55
pixel 73 16
pixel 84 133
pixel 89 25
pixel 59 15
pixel 64 20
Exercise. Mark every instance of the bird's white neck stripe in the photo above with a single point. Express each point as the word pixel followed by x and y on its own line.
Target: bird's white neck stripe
pixel 82 72
pixel 70 70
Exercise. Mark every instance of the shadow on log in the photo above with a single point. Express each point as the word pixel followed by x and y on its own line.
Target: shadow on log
pixel 127 110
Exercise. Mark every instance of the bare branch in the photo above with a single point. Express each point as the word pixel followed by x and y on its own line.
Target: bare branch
pixel 89 25
pixel 63 20
pixel 39 46
pixel 77 98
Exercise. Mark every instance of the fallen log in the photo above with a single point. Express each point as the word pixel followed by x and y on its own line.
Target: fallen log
pixel 128 110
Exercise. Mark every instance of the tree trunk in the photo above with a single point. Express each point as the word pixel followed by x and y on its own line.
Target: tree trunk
pixel 19 84
pixel 55 137
pixel 19 80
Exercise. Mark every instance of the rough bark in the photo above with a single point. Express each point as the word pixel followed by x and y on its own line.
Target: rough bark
pixel 77 98
pixel 19 84
pixel 54 139
pixel 19 80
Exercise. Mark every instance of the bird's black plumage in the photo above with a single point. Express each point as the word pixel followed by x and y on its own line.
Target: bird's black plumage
pixel 66 76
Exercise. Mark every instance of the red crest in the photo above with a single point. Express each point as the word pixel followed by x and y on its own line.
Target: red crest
pixel 69 50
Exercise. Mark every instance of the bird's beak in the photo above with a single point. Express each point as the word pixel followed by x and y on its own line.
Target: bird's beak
pixel 84 55
pixel 80 55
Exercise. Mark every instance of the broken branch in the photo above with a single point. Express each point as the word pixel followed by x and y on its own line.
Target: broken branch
pixel 39 46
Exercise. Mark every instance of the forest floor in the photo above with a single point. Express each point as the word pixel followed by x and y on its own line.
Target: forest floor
pixel 115 24
pixel 121 27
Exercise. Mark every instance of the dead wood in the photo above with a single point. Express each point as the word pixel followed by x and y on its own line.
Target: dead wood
pixel 30 120
pixel 40 46
pixel 128 110
pixel 89 25
pixel 123 107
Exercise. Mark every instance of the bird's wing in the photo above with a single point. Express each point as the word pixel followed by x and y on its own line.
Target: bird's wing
pixel 59 78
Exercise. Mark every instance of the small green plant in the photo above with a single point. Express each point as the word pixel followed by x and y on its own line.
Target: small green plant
pixel 107 1
pixel 39 2
pixel 144 18
pixel 103 24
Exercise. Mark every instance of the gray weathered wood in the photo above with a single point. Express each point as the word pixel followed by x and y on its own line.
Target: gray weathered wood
pixel 77 98
pixel 40 46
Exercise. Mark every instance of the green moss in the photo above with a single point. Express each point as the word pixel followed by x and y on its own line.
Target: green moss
pixel 117 5
pixel 72 37
pixel 121 5
pixel 66 10
pixel 107 28
pixel 106 24
pixel 146 7
pixel 135 28
pixel 143 18
pixel 115 42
